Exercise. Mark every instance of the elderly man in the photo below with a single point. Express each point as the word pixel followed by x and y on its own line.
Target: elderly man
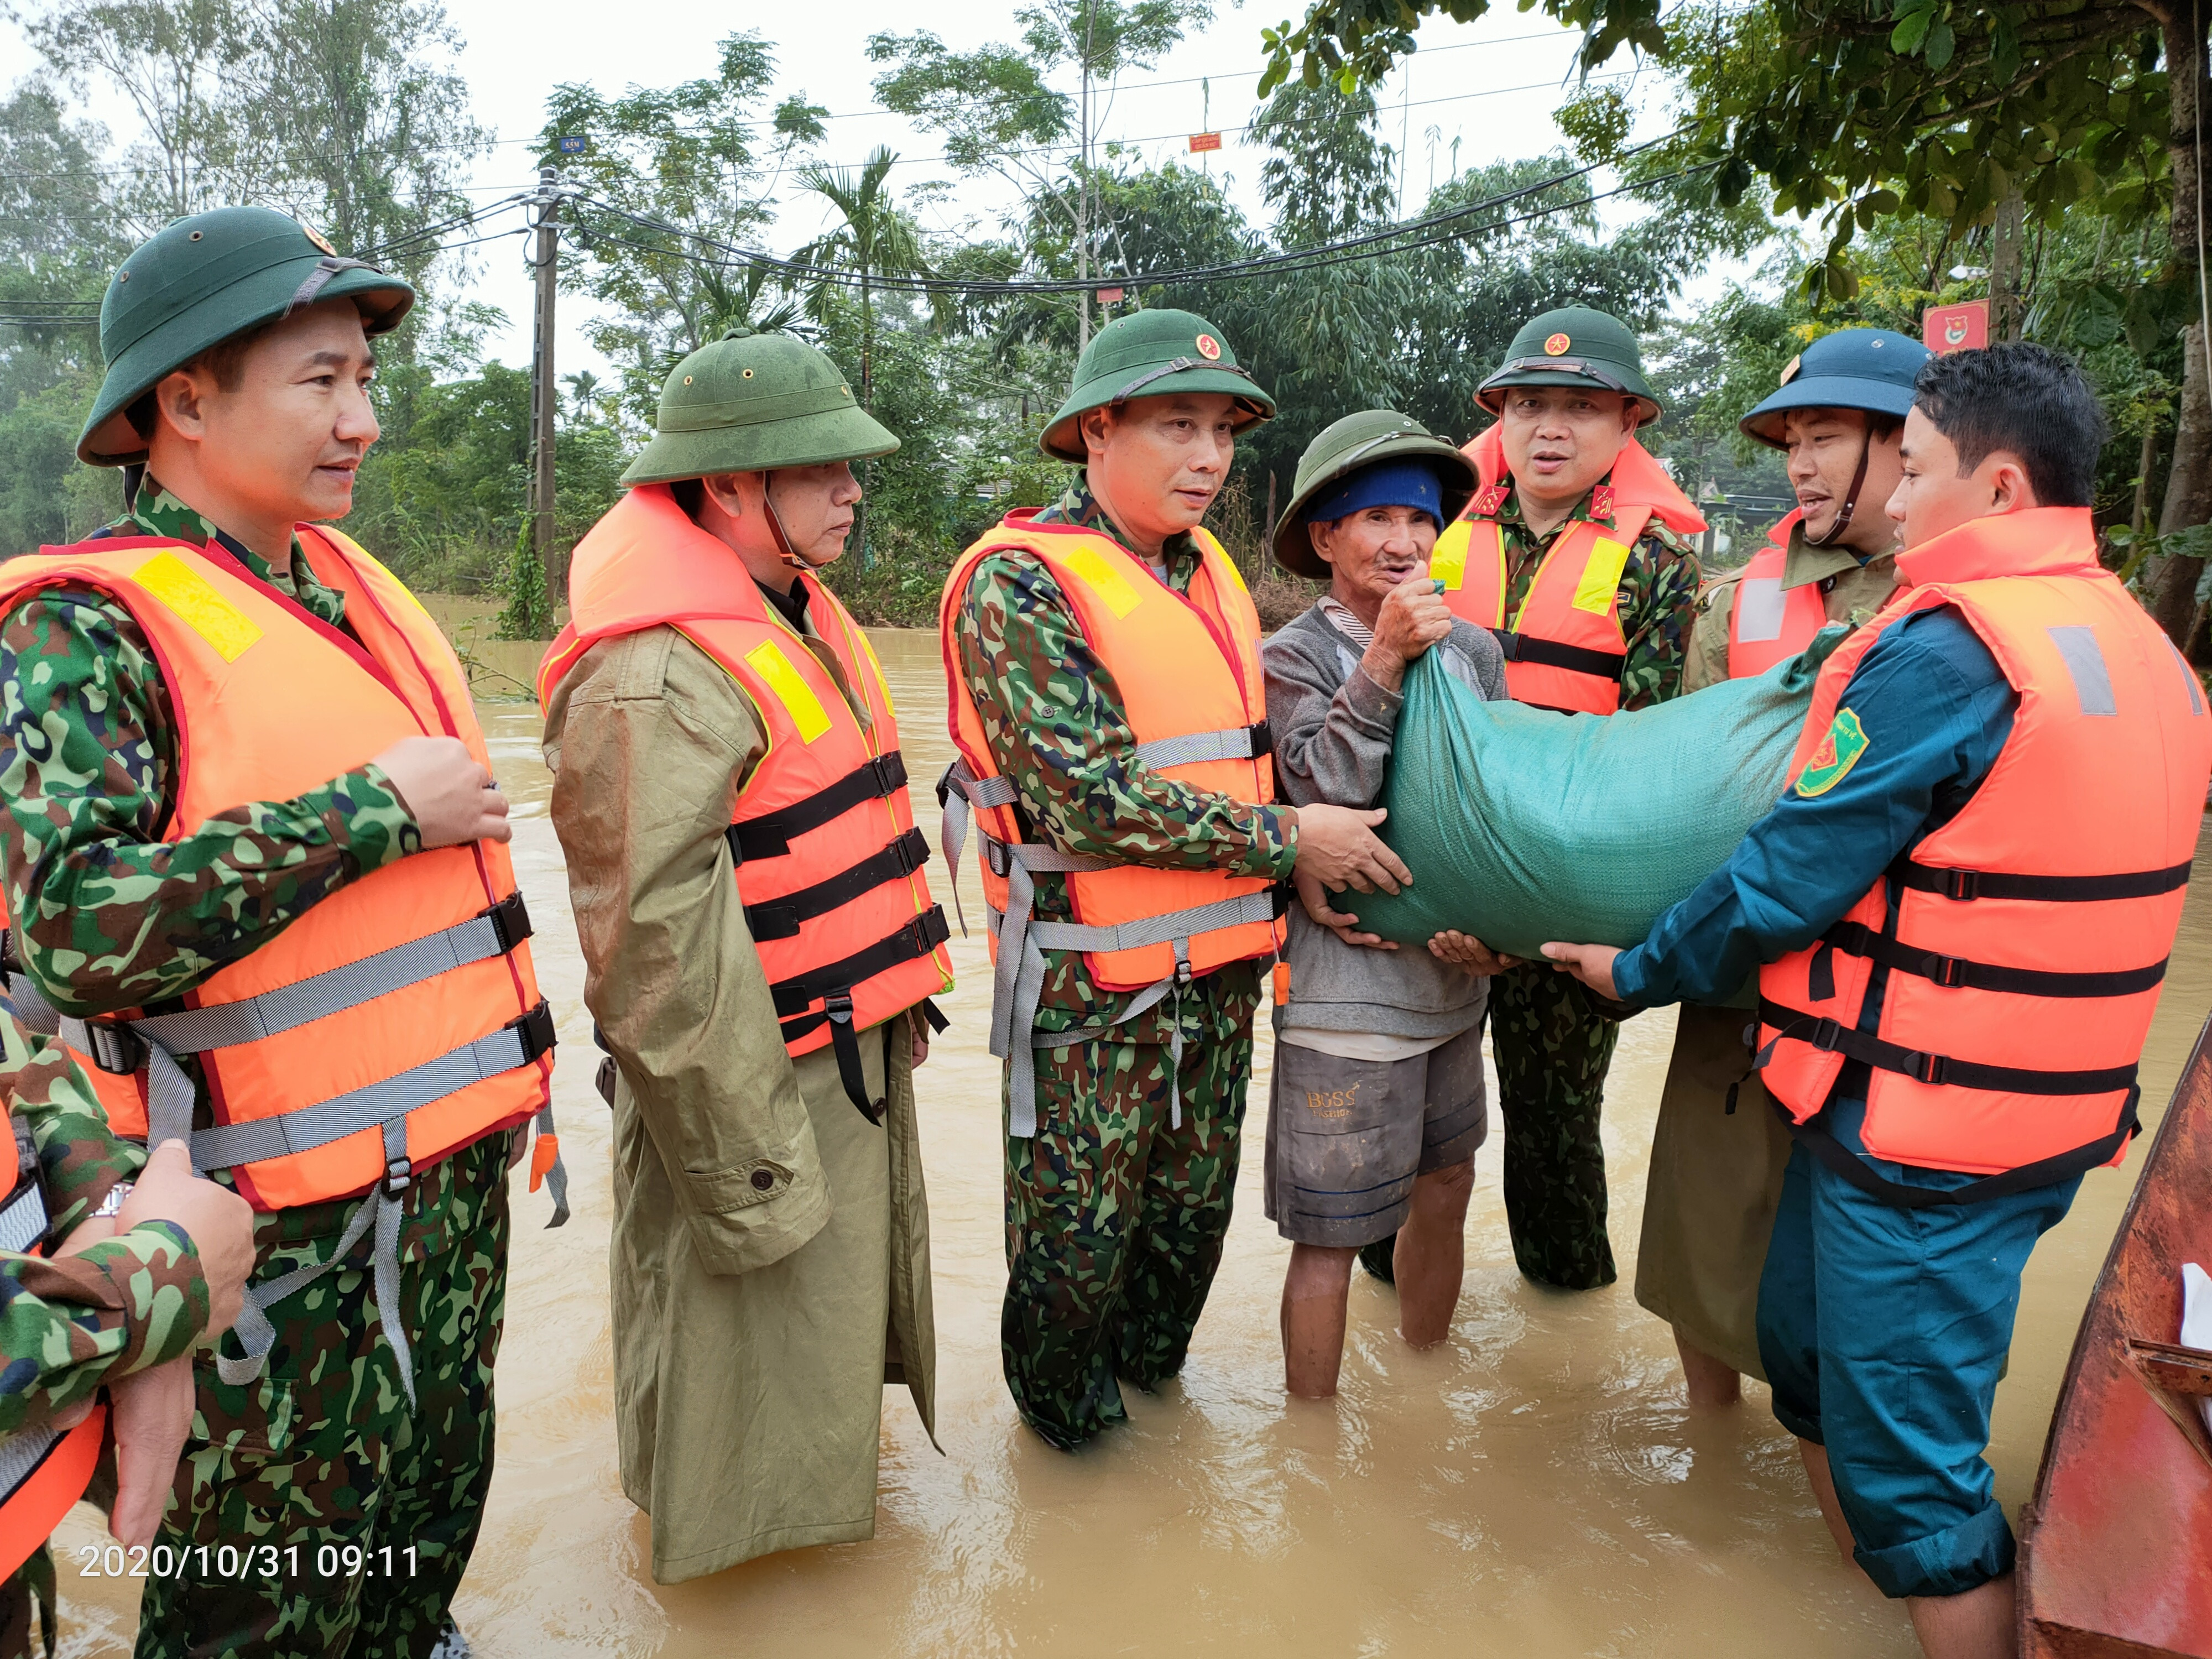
pixel 1109 711
pixel 1377 1104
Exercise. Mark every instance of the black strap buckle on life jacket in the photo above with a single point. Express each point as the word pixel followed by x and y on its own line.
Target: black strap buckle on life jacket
pixel 838 1007
pixel 116 1049
pixel 535 1030
pixel 1935 1070
pixel 1952 972
pixel 795 997
pixel 1263 738
pixel 771 836
pixel 780 917
pixel 510 921
pixel 1551 653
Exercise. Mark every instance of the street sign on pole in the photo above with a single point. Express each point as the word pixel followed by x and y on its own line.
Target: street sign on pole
pixel 574 146
pixel 1962 327
pixel 1110 296
pixel 1200 140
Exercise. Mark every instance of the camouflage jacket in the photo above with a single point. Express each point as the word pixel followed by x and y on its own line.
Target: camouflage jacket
pixel 107 914
pixel 1658 596
pixel 1056 729
pixel 69 1323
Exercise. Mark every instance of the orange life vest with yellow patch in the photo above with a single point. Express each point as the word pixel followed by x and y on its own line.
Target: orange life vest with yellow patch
pixel 2031 930
pixel 827 858
pixel 398 1020
pixel 1188 671
pixel 1768 623
pixel 1564 647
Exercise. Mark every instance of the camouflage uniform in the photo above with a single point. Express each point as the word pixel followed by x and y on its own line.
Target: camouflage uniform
pixel 69 1324
pixel 1551 1038
pixel 1114 1220
pixel 320 1450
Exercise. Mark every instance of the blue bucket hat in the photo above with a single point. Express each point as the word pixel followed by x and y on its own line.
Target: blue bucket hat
pixel 1868 368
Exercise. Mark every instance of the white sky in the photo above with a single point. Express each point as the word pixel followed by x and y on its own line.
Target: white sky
pixel 1489 87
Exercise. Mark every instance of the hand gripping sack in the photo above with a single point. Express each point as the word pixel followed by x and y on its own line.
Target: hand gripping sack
pixel 1522 825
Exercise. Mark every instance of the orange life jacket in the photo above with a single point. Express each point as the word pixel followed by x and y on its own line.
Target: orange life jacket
pixel 1564 648
pixel 2033 930
pixel 828 861
pixel 1189 672
pixel 1768 623
pixel 396 1021
pixel 43 1470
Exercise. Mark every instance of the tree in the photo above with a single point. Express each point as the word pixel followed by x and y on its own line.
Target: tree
pixel 686 159
pixel 1860 110
pixel 874 240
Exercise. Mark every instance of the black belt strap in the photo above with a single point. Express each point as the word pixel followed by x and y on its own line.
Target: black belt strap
pixel 1934 1070
pixel 779 918
pixel 1550 653
pixel 2041 1173
pixel 1954 971
pixel 770 837
pixel 2062 890
pixel 793 997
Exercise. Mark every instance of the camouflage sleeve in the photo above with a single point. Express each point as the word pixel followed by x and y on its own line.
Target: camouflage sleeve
pixel 107 915
pixel 69 1323
pixel 79 1157
pixel 1054 720
pixel 1659 602
pixel 1706 663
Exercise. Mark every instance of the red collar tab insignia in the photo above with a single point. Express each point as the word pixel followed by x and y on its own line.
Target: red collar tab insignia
pixel 1601 502
pixel 1557 346
pixel 1790 368
pixel 320 241
pixel 1489 501
pixel 1209 348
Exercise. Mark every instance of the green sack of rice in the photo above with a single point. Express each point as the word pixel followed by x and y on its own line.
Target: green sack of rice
pixel 1522 825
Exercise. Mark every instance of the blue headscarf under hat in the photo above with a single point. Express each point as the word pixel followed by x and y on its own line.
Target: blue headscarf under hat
pixel 1386 483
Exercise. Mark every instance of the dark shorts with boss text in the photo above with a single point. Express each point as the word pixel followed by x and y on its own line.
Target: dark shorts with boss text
pixel 1346 1137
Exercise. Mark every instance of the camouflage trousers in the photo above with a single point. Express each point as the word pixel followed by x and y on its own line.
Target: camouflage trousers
pixel 1114 1222
pixel 1552 1046
pixel 314 1512
pixel 28 1629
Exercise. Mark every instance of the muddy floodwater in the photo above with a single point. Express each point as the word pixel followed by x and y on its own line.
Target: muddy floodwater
pixel 1534 1487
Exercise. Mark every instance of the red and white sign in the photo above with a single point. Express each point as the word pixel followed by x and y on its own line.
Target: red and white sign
pixel 1110 296
pixel 1964 327
pixel 1200 140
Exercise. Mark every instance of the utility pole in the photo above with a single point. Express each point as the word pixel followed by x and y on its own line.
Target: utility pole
pixel 541 386
pixel 1083 197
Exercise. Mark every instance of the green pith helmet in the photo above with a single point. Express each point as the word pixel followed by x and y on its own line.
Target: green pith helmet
pixel 1151 354
pixel 199 281
pixel 1355 442
pixel 753 402
pixel 1574 345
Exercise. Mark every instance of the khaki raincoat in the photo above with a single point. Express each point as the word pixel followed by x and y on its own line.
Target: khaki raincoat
pixel 770 1259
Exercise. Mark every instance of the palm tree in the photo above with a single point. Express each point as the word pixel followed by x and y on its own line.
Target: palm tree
pixel 876 239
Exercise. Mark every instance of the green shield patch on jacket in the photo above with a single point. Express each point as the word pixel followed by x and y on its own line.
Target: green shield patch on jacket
pixel 1838 752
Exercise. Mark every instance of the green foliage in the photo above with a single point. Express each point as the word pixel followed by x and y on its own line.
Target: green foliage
pixel 529 614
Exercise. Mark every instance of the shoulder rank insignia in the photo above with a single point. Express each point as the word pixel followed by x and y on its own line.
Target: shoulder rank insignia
pixel 1602 502
pixel 1488 500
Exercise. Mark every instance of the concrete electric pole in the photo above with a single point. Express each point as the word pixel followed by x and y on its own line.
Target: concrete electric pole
pixel 542 384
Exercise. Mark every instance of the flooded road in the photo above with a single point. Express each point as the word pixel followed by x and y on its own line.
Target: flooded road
pixel 1534 1487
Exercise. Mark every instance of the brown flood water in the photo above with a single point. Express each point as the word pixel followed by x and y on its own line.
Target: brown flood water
pixel 1534 1487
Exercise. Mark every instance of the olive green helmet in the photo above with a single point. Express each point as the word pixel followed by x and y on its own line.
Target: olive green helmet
pixel 753 403
pixel 1151 354
pixel 199 281
pixel 1573 346
pixel 1352 444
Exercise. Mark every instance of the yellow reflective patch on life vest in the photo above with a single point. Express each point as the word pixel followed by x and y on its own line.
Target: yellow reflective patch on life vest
pixel 1448 558
pixel 791 690
pixel 1601 580
pixel 1839 751
pixel 196 602
pixel 1111 587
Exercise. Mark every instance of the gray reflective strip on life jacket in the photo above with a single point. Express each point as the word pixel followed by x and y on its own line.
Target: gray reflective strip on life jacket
pixel 22 1452
pixel 22 1219
pixel 1017 983
pixel 171 1096
pixel 1761 609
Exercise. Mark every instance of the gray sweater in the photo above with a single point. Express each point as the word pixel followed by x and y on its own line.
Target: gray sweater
pixel 1333 729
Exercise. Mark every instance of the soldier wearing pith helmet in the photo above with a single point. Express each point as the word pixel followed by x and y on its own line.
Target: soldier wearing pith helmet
pixel 1109 712
pixel 761 949
pixel 327 886
pixel 1575 552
